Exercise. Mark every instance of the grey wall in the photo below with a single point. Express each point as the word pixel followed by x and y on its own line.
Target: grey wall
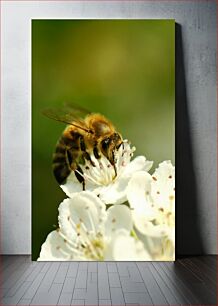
pixel 196 112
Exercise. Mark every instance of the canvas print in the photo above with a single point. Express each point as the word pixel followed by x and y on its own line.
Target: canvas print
pixel 103 135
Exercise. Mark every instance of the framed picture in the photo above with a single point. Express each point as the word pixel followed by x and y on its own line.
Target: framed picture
pixel 103 140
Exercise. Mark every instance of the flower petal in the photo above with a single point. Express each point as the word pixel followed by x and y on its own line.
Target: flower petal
pixel 145 215
pixel 163 186
pixel 168 250
pixel 118 216
pixel 73 186
pixel 124 247
pixel 149 229
pixel 115 193
pixel 54 248
pixel 138 194
pixel 159 248
pixel 137 164
pixel 101 178
pixel 84 212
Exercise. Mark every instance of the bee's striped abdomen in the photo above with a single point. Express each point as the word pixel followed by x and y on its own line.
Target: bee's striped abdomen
pixel 61 167
pixel 66 151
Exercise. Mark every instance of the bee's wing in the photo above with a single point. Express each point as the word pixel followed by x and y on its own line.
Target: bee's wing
pixel 76 109
pixel 68 114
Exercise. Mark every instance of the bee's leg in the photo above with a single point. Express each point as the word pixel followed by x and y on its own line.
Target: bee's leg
pixel 85 153
pixel 114 164
pixel 88 158
pixel 96 152
pixel 78 173
pixel 109 154
pixel 115 170
pixel 76 168
pixel 119 145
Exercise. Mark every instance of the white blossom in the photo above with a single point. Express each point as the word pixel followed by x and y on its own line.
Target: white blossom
pixel 87 231
pixel 101 178
pixel 152 199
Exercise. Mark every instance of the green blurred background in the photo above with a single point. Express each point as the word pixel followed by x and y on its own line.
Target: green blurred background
pixel 124 69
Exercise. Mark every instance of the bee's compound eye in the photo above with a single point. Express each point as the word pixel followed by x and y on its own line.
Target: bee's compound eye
pixel 116 136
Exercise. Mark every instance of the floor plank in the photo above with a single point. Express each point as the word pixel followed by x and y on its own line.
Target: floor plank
pixel 29 276
pixel 117 296
pixel 154 290
pixel 65 299
pixel 10 273
pixel 170 281
pixel 14 300
pixel 5 262
pixel 168 292
pixel 208 275
pixel 172 274
pixel 210 261
pixel 204 293
pixel 103 282
pixel 69 285
pixel 48 298
pixel 188 281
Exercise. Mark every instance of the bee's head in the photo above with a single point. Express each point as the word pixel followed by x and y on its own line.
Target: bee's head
pixel 110 143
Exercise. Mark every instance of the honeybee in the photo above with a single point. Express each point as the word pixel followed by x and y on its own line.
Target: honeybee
pixel 86 133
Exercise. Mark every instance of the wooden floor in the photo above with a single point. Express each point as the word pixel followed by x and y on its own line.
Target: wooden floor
pixel 188 281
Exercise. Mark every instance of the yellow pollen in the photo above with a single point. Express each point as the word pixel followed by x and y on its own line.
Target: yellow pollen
pixel 78 226
pixel 171 197
pixel 97 243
